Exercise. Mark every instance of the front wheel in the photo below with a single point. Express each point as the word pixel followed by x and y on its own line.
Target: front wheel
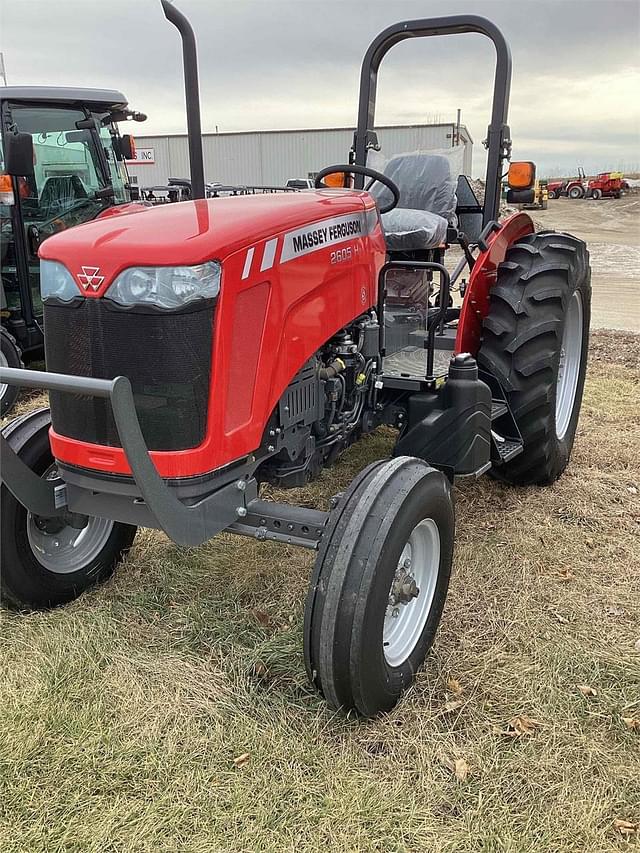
pixel 596 194
pixel 535 342
pixel 379 585
pixel 47 561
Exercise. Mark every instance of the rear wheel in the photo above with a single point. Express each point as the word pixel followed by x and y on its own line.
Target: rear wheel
pixel 535 342
pixel 576 192
pixel 10 356
pixel 46 561
pixel 379 585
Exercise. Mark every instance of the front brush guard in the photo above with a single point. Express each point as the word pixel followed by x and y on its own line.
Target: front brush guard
pixel 185 524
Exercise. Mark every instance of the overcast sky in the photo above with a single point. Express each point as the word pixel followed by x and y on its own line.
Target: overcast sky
pixel 269 64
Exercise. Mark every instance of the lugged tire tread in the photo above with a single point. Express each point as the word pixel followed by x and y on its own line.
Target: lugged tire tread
pixel 521 341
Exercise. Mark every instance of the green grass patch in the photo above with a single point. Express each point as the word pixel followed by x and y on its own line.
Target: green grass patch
pixel 121 715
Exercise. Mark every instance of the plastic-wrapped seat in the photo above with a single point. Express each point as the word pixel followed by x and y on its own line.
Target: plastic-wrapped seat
pixel 59 192
pixel 427 184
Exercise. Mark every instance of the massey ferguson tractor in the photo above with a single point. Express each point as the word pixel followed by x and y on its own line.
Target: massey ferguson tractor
pixel 198 351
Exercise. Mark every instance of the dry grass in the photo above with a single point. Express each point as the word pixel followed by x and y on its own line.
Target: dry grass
pixel 121 715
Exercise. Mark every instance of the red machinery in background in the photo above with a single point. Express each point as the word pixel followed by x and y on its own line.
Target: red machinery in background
pixel 571 187
pixel 606 185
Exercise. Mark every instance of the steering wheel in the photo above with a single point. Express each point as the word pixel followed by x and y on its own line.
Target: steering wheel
pixel 354 169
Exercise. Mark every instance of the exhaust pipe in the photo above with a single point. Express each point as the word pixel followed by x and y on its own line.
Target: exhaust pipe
pixel 191 94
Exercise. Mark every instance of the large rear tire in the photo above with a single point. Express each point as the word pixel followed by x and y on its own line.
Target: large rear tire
pixel 379 585
pixel 576 192
pixel 10 356
pixel 535 342
pixel 46 562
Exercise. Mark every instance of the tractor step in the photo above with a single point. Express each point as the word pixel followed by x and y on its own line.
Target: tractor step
pixel 498 408
pixel 507 448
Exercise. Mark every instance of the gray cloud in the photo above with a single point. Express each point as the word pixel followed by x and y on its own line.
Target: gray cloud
pixel 279 63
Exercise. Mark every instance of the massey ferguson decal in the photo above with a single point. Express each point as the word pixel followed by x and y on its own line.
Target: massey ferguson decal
pixel 321 234
pixel 89 278
pixel 311 238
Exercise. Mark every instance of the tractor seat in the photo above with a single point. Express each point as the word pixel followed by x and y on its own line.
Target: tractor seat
pixel 406 230
pixel 427 202
pixel 60 191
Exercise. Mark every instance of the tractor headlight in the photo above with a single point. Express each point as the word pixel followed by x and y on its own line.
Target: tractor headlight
pixel 57 282
pixel 166 287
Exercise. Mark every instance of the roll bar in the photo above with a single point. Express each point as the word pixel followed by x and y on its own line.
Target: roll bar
pixel 191 94
pixel 498 136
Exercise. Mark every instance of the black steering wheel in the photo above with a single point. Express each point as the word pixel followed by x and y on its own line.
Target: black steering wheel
pixel 353 169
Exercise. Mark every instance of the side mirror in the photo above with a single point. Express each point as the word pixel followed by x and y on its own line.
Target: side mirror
pixel 127 147
pixel 18 155
pixel 522 175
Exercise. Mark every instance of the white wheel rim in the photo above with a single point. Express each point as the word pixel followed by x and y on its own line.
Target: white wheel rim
pixel 404 622
pixel 3 363
pixel 68 549
pixel 569 366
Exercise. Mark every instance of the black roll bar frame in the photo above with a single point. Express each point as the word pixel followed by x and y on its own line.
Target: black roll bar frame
pixel 498 134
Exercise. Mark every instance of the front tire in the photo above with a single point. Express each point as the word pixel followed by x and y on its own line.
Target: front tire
pixel 46 562
pixel 10 356
pixel 535 343
pixel 379 585
pixel 596 194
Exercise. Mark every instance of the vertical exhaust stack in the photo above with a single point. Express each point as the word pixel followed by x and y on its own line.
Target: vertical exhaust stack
pixel 192 95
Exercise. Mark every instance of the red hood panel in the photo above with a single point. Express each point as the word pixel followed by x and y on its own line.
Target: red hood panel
pixel 189 232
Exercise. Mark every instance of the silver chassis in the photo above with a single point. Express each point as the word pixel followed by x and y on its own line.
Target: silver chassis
pixel 189 512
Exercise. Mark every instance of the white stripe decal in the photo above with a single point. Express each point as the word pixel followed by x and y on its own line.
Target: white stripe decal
pixel 269 254
pixel 326 232
pixel 247 263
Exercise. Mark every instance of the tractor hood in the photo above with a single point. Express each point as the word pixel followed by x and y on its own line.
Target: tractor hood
pixel 192 232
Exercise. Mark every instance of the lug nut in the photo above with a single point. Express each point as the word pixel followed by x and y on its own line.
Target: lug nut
pixel 241 511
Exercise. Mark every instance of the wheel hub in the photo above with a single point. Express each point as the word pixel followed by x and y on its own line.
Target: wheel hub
pixel 404 587
pixel 411 593
pixel 61 547
pixel 48 525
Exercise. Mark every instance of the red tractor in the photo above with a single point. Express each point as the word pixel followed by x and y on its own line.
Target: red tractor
pixel 606 185
pixel 200 350
pixel 571 187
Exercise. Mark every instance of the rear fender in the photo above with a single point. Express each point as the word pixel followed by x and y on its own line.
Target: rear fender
pixel 475 305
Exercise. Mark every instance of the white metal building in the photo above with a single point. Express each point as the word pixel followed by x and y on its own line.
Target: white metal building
pixel 271 157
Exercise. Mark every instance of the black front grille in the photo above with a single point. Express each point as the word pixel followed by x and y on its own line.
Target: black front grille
pixel 165 354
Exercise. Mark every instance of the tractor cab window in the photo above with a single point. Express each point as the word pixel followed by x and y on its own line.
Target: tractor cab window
pixel 76 175
pixel 70 171
pixel 117 170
